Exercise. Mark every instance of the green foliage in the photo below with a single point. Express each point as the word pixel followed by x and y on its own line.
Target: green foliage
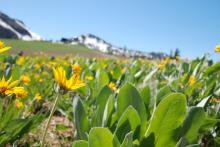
pixel 166 119
pixel 147 104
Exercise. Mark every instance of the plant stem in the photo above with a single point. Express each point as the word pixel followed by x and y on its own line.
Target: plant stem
pixel 49 119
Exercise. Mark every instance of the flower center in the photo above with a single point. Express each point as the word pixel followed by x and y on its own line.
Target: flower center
pixel 3 89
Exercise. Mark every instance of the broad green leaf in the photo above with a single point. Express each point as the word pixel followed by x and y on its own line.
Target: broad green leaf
pixel 101 78
pixel 129 121
pixel 100 137
pixel 116 72
pixel 146 96
pixel 108 112
pixel 81 120
pixel 166 119
pixel 101 100
pixel 162 93
pixel 80 143
pixel 191 125
pixel 128 95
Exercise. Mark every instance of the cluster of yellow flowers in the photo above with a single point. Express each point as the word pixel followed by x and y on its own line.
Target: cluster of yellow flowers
pixel 7 87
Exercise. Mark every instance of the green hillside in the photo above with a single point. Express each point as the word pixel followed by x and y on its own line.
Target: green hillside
pixel 51 49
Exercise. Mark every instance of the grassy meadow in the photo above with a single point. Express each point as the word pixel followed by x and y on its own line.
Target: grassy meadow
pixel 83 98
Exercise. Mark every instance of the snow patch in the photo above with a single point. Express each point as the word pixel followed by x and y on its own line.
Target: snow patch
pixel 34 36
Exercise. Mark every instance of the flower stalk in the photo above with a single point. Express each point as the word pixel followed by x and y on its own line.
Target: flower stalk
pixel 49 120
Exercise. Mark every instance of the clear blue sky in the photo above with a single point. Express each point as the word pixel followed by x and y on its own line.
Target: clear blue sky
pixel 148 25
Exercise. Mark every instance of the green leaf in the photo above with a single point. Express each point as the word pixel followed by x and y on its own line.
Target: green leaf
pixel 109 107
pixel 101 78
pixel 16 128
pixel 166 119
pixel 100 137
pixel 81 120
pixel 61 127
pixel 212 69
pixel 129 121
pixel 80 143
pixel 10 113
pixel 101 100
pixel 149 76
pixel 127 140
pixel 162 93
pixel 128 95
pixel 146 96
pixel 191 125
pixel 203 102
pixel 208 124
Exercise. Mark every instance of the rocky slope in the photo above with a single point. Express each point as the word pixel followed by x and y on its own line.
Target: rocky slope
pixel 13 28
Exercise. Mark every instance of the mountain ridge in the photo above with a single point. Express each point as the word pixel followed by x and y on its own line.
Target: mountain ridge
pixel 16 29
pixel 94 42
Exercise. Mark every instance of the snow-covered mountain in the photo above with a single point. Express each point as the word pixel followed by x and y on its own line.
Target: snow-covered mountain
pixel 94 42
pixel 13 28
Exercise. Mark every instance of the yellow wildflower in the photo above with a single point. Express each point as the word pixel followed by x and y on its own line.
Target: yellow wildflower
pixel 112 86
pixel 37 76
pixel 89 78
pixel 167 60
pixel 19 104
pixel 217 48
pixel 20 61
pixel 41 80
pixel 6 86
pixel 67 84
pixel 25 79
pixel 192 80
pixel 161 66
pixel 38 97
pixel 20 92
pixel 3 48
pixel 37 66
pixel 76 69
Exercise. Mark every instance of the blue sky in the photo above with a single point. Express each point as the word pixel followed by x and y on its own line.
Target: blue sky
pixel 193 26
